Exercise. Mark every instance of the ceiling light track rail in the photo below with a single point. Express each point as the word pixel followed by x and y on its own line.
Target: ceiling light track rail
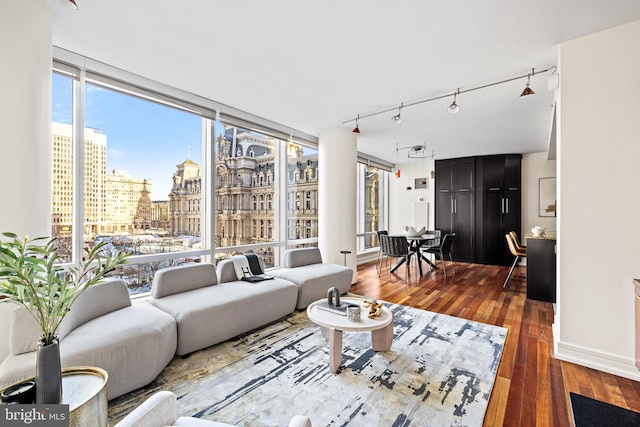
pixel 396 118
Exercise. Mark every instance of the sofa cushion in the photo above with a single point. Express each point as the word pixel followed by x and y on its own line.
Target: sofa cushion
pixel 24 332
pixel 93 302
pixel 314 280
pixel 213 314
pixel 301 256
pixel 174 280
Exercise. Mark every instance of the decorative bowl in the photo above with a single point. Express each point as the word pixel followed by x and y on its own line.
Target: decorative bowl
pixel 412 232
pixel 538 230
pixel 23 393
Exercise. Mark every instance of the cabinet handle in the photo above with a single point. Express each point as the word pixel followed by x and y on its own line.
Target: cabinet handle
pixel 501 204
pixel 455 206
pixel 494 188
pixel 513 188
pixel 452 206
pixel 507 204
pixel 463 189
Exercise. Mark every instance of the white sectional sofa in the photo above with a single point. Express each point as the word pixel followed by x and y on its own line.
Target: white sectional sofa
pixel 191 307
pixel 132 342
pixel 208 311
pixel 304 267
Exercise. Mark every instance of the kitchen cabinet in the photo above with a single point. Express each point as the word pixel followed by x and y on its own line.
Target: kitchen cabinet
pixel 541 268
pixel 455 204
pixel 500 193
pixel 479 198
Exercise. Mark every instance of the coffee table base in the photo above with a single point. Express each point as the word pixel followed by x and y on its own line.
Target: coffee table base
pixel 380 341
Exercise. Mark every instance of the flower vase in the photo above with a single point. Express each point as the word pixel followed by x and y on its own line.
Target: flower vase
pixel 48 373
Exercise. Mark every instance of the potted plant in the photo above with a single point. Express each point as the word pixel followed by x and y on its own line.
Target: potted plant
pixel 31 277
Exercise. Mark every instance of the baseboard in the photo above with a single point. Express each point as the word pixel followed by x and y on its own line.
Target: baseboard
pixel 605 362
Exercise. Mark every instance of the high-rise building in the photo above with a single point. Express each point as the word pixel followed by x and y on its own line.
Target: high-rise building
pixel 114 203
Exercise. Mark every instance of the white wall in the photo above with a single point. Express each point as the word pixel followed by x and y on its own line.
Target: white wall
pixel 599 215
pixel 534 167
pixel 401 200
pixel 25 124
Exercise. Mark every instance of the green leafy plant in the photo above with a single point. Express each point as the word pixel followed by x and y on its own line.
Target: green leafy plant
pixel 31 277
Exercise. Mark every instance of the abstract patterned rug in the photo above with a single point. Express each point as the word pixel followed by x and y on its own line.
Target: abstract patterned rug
pixel 439 372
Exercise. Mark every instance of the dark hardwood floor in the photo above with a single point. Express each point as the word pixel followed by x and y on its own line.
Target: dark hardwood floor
pixel 532 387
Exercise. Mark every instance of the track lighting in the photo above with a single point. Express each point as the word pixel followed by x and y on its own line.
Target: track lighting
pixel 73 4
pixel 527 90
pixel 356 129
pixel 397 119
pixel 454 108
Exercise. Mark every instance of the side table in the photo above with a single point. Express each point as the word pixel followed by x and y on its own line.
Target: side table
pixel 333 324
pixel 84 389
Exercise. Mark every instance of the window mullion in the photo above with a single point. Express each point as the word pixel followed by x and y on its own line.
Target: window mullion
pixel 78 167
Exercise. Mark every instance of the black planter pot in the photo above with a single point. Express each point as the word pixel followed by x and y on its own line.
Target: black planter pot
pixel 48 374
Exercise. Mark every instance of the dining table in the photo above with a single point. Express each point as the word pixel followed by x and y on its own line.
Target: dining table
pixel 415 243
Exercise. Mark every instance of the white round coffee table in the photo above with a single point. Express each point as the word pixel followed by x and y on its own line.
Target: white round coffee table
pixel 332 325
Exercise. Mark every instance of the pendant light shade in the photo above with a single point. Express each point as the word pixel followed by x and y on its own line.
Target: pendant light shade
pixel 454 108
pixel 356 129
pixel 527 90
pixel 73 4
pixel 397 119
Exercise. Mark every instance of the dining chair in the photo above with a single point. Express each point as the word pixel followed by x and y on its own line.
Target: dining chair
pixel 517 252
pixel 441 250
pixel 514 236
pixel 397 247
pixel 380 252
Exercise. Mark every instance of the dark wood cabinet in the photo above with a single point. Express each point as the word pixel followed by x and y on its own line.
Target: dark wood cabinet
pixel 500 178
pixel 479 199
pixel 455 204
pixel 541 269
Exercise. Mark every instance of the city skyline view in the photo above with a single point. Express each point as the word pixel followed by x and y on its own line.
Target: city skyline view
pixel 144 138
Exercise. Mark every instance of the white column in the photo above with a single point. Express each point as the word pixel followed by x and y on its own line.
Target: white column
pixel 25 124
pixel 337 188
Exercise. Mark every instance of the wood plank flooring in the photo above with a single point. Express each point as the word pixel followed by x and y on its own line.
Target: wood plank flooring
pixel 532 387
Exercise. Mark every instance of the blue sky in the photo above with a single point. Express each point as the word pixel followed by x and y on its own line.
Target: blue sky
pixel 144 138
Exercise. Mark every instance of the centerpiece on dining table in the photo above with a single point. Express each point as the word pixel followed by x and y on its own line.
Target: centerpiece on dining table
pixel 412 232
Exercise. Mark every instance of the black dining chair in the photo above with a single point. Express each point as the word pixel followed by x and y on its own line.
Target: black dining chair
pixel 442 249
pixel 397 247
pixel 380 252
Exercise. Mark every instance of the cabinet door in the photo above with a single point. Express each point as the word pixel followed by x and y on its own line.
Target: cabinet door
pixel 444 176
pixel 494 241
pixel 464 174
pixel 463 249
pixel 444 212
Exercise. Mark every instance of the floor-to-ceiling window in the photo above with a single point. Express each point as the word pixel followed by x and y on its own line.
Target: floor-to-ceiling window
pixel 372 209
pixel 126 169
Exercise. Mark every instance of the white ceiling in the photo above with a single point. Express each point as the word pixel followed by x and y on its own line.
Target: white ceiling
pixel 311 65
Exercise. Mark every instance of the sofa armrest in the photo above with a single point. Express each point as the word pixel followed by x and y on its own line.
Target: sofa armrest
pixel 301 256
pixel 158 410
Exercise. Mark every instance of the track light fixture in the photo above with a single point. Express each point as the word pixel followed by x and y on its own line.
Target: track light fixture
pixel 454 108
pixel 73 4
pixel 397 119
pixel 356 129
pixel 527 90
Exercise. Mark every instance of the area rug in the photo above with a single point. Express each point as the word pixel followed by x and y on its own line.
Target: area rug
pixel 439 372
pixel 588 412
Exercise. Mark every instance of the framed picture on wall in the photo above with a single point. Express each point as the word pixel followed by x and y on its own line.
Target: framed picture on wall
pixel 547 197
pixel 421 183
